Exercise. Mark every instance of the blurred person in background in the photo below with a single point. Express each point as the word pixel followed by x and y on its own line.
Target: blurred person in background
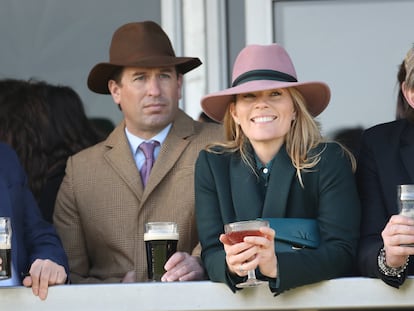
pixel 45 124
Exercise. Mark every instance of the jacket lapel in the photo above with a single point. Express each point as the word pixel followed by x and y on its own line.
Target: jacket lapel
pixel 279 185
pixel 120 158
pixel 246 194
pixel 407 149
pixel 173 147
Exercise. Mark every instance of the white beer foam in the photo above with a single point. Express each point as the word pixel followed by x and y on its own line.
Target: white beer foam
pixel 150 236
pixel 5 246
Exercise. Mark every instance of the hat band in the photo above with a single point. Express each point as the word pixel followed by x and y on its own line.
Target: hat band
pixel 263 75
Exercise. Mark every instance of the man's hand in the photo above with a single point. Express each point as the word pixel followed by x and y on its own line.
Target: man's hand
pixel 43 273
pixel 398 231
pixel 129 277
pixel 183 267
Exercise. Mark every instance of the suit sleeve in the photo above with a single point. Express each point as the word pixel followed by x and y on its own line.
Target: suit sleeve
pixel 40 238
pixel 209 220
pixel 68 225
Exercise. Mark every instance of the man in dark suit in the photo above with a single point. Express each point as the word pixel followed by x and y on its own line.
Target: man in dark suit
pixel 38 258
pixel 385 161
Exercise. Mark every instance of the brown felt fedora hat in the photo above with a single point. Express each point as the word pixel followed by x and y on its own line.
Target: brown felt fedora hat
pixel 265 67
pixel 138 44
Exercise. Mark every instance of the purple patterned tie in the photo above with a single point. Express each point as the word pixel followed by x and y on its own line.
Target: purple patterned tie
pixel 148 150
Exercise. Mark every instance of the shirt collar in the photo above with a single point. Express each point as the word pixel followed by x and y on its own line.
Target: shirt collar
pixel 263 168
pixel 135 141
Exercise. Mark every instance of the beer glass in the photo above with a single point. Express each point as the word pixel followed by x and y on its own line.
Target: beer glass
pixel 405 198
pixel 161 240
pixel 236 232
pixel 405 201
pixel 5 247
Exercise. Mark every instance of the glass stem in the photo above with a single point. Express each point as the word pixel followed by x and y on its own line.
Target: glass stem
pixel 251 275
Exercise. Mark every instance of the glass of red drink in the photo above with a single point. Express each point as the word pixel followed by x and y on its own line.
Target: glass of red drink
pixel 235 232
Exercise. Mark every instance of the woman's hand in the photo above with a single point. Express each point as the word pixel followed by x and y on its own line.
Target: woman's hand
pixel 398 231
pixel 253 252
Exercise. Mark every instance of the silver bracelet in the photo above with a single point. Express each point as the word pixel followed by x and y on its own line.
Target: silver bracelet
pixel 387 270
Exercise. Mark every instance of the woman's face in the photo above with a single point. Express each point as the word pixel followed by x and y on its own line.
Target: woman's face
pixel 264 116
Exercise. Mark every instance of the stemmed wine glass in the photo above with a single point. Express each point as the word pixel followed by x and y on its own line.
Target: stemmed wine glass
pixel 235 232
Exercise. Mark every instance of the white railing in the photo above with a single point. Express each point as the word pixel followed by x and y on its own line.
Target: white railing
pixel 339 294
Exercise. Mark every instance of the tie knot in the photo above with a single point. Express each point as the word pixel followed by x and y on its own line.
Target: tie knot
pixel 148 148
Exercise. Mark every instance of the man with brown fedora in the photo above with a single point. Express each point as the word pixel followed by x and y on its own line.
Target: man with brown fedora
pixel 110 191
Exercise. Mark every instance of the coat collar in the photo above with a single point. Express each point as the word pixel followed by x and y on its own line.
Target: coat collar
pixel 173 147
pixel 280 182
pixel 119 156
pixel 247 190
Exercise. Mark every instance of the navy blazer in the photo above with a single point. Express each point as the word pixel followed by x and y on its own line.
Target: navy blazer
pixel 386 160
pixel 227 190
pixel 32 237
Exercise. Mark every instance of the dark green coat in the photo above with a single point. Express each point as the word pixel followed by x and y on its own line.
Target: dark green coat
pixel 227 190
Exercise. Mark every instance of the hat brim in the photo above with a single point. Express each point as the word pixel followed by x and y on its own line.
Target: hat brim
pixel 316 94
pixel 101 73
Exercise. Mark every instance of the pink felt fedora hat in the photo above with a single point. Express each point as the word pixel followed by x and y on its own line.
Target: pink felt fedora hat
pixel 260 68
pixel 138 44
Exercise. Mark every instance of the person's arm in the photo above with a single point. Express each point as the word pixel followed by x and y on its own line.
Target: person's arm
pixel 46 256
pixel 68 225
pixel 209 222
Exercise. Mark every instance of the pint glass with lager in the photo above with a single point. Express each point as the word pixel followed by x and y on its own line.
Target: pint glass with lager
pixel 5 248
pixel 161 240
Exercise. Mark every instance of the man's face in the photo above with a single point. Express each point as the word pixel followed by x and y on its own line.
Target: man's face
pixel 148 98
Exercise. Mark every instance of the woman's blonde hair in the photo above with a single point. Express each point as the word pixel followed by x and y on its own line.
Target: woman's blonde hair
pixel 303 136
pixel 409 68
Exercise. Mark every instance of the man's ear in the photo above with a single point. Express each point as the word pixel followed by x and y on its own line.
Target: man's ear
pixel 115 92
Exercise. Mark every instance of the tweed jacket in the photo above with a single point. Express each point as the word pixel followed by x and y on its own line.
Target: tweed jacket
pixel 227 191
pixel 102 206
pixel 385 161
pixel 32 236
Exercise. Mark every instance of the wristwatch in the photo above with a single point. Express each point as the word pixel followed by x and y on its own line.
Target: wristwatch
pixel 387 270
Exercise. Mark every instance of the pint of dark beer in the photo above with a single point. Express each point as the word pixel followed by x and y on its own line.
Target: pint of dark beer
pixel 5 248
pixel 161 240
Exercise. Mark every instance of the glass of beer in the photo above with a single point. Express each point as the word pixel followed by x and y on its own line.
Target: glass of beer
pixel 5 248
pixel 236 232
pixel 161 240
pixel 405 201
pixel 405 195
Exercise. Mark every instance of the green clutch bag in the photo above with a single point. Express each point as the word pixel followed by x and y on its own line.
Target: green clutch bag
pixel 294 233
